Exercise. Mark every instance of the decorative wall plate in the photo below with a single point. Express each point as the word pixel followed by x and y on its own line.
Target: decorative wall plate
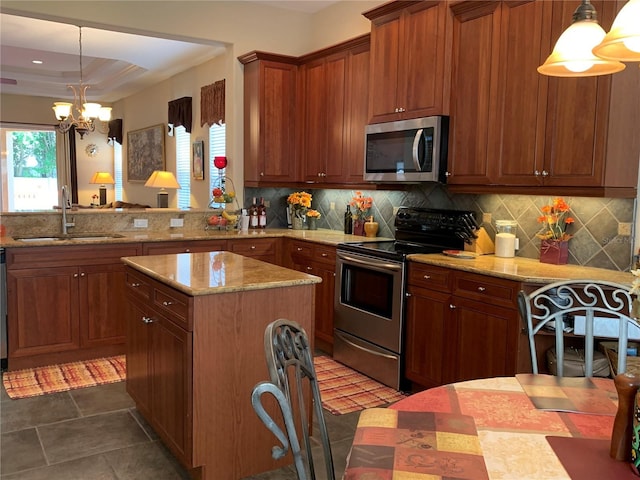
pixel 92 150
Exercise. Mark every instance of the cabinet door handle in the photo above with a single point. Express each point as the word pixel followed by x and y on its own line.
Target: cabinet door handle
pixel 75 275
pixel 545 173
pixel 426 277
pixel 452 306
pixel 147 319
pixel 82 274
pixel 262 174
pixel 481 289
pixel 324 254
pixel 309 268
pixel 536 173
pixel 448 174
pixel 166 304
pixel 135 285
pixel 407 294
pixel 299 249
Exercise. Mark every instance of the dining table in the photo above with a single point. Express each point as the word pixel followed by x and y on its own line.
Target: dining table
pixel 536 427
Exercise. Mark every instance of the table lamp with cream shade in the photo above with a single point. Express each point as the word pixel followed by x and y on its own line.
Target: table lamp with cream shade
pixel 102 178
pixel 162 180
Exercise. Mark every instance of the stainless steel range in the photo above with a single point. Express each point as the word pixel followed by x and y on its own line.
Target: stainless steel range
pixel 370 288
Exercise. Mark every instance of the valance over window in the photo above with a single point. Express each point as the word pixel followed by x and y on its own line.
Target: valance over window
pixel 115 130
pixel 212 103
pixel 180 113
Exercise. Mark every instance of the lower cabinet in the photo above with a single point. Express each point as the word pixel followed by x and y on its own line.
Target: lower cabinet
pixel 183 246
pixel 265 249
pixel 65 303
pixel 319 260
pixel 459 326
pixel 159 361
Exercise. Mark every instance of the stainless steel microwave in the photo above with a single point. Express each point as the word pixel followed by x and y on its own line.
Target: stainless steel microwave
pixel 407 150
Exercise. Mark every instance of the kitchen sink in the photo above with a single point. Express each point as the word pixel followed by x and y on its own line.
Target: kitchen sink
pixel 73 237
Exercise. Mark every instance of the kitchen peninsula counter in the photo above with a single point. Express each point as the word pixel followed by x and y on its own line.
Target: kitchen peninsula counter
pixel 194 330
pixel 524 270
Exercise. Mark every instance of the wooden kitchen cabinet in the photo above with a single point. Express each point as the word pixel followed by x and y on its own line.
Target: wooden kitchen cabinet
pixel 159 362
pixel 319 260
pixel 183 246
pixel 460 326
pixel 409 60
pixel 334 102
pixel 65 303
pixel 270 118
pixel 265 249
pixel 565 132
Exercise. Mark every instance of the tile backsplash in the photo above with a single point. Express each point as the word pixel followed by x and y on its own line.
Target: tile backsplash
pixel 595 241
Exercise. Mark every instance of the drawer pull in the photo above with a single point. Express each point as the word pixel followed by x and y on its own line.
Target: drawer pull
pixel 147 319
pixel 135 285
pixel 186 250
pixel 309 268
pixel 324 255
pixel 426 277
pixel 299 249
pixel 253 247
pixel 452 306
pixel 481 289
pixel 166 304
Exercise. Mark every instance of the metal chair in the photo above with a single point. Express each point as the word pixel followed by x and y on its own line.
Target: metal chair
pixel 595 301
pixel 292 374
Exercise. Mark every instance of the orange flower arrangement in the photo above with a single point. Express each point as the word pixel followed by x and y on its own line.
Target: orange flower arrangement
pixel 313 214
pixel 300 202
pixel 362 205
pixel 555 218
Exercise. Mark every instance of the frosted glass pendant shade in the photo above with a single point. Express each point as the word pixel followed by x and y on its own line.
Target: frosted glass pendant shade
pixel 623 41
pixel 572 54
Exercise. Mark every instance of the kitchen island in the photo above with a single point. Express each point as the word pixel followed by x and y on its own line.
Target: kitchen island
pixel 195 325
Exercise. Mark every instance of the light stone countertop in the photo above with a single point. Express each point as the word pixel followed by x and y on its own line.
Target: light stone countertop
pixel 325 236
pixel 523 269
pixel 216 272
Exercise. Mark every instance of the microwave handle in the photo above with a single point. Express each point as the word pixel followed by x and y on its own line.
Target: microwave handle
pixel 416 144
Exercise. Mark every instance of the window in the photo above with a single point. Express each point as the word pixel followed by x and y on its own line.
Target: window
pixel 183 166
pixel 217 148
pixel 29 168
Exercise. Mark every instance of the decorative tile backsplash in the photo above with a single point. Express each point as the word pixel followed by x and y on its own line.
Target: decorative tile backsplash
pixel 595 241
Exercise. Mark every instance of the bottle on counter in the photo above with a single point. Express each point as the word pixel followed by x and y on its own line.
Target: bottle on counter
pixel 253 214
pixel 348 221
pixel 262 214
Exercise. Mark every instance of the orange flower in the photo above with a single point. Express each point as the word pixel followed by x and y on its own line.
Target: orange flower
pixel 555 219
pixel 362 205
pixel 300 202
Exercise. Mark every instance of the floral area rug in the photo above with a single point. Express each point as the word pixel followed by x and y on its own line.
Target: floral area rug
pixel 344 390
pixel 32 382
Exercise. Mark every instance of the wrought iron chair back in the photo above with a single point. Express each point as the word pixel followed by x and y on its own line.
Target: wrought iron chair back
pixel 549 306
pixel 292 374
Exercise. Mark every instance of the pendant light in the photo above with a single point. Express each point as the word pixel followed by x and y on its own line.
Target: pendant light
pixel 572 54
pixel 622 43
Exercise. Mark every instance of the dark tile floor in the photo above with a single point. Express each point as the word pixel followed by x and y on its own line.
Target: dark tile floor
pixel 96 434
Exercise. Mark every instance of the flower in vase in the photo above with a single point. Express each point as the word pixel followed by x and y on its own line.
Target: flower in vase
pixel 299 202
pixel 555 219
pixel 313 214
pixel 362 206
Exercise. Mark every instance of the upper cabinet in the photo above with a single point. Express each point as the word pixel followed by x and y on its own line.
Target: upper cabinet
pixel 270 83
pixel 409 60
pixel 334 104
pixel 524 132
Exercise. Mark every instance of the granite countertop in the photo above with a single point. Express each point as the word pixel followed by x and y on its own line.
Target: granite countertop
pixel 216 272
pixel 523 269
pixel 326 236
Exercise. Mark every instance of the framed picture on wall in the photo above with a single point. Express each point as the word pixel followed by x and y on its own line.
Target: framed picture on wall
pixel 197 160
pixel 145 153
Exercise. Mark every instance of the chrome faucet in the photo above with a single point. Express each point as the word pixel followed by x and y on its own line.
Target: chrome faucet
pixel 65 205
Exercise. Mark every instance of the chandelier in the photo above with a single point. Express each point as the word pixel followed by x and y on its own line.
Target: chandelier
pixel 81 114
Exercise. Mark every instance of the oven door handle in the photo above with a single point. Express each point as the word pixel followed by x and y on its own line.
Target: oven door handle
pixel 371 263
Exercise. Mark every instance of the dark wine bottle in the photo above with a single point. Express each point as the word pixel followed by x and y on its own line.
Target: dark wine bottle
pixel 348 221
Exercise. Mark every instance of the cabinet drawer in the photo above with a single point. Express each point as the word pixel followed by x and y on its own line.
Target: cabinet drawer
pixel 137 285
pixel 485 288
pixel 301 249
pixel 176 306
pixel 428 276
pixel 324 254
pixel 254 247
